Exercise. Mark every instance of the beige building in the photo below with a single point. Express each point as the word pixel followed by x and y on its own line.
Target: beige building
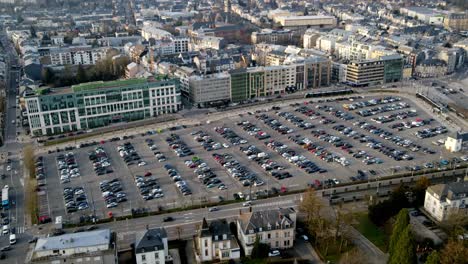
pixel 306 21
pixel 206 89
pixel 443 200
pixel 365 72
pixel 456 21
pixel 215 241
pixel 275 227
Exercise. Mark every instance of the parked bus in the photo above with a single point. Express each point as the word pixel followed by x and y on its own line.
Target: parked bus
pixel 5 198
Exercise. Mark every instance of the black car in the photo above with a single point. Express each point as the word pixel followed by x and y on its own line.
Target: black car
pixel 168 219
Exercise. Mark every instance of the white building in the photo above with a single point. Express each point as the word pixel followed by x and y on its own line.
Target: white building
pixel 149 30
pixel 76 55
pixel 454 142
pixel 275 227
pixel 151 247
pixel 215 242
pixel 209 88
pixel 307 21
pixel 93 247
pixel 442 200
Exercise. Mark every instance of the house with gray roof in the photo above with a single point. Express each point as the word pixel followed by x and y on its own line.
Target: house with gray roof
pixel 443 200
pixel 275 227
pixel 151 247
pixel 214 241
pixel 92 247
pixel 455 140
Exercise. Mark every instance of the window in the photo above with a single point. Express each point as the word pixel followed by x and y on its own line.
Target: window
pixel 206 243
pixel 206 252
pixel 268 235
pixel 156 255
pixel 143 257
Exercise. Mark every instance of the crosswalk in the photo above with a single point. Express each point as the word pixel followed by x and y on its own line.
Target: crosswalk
pixel 18 230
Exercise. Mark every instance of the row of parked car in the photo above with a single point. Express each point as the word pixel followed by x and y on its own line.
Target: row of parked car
pixel 431 132
pixel 319 151
pixel 395 116
pixel 229 135
pixel 293 157
pixel 157 154
pixel 383 109
pixel 178 145
pixel 67 167
pixel 179 182
pixel 207 142
pixel 149 187
pixel 297 121
pixel 274 124
pixel 112 192
pixel 410 124
pixel 40 171
pixel 263 159
pixel 253 130
pixel 205 174
pixel 372 102
pixel 100 160
pixel 236 170
pixel 75 199
pixel 129 154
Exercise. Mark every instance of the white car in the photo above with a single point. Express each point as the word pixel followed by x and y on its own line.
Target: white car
pixel 8 168
pixel 142 163
pixel 225 145
pixel 248 203
pixel 274 253
pixel 5 229
pixel 464 158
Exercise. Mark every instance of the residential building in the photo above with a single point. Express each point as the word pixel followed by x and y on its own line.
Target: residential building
pixel 280 37
pixel 151 247
pixel 205 90
pixel 181 44
pixel 431 68
pixel 215 241
pixel 150 31
pixel 453 57
pixel 183 73
pixel 306 21
pixel 96 104
pixel 454 141
pixel 424 14
pixel 76 55
pixel 92 247
pixel 365 72
pixel 275 227
pixel 310 39
pixel 443 200
pixel 456 21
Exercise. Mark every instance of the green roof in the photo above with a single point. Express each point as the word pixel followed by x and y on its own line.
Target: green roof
pixel 101 84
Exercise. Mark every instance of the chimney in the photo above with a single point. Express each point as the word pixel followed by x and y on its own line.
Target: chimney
pixel 250 209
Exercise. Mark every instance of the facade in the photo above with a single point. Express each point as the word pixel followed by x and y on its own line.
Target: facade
pixel 280 37
pixel 215 241
pixel 365 73
pixel 239 85
pixel 181 44
pixel 274 227
pixel 431 68
pixel 310 39
pixel 96 104
pixel 93 247
pixel 393 68
pixel 456 21
pixel 306 21
pixel 211 88
pixel 443 200
pixel 454 142
pixel 76 55
pixel 151 247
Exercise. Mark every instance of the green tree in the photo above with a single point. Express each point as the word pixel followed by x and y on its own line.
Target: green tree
pixel 401 223
pixel 405 251
pixel 81 75
pixel 259 250
pixel 47 75
pixel 455 251
pixel 433 258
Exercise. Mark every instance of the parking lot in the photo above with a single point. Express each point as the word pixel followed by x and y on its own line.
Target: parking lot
pixel 316 143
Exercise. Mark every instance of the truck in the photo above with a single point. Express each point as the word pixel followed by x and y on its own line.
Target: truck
pixel 5 198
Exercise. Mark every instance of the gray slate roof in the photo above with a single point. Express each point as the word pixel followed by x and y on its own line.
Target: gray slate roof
pixel 152 240
pixel 451 191
pixel 269 219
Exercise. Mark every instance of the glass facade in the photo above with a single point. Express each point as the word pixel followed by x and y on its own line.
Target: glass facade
pixel 393 70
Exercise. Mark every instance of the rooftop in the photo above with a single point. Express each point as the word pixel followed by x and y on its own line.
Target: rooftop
pixel 74 240
pixel 100 84
pixel 452 191
pixel 151 240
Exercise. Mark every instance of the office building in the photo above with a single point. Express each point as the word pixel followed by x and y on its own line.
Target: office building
pixel 279 37
pixel 205 90
pixel 306 21
pixel 365 72
pixel 97 104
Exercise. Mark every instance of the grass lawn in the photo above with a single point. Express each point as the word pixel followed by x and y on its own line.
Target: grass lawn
pixel 372 232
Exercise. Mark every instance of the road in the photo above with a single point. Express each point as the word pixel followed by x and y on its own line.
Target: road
pixel 12 150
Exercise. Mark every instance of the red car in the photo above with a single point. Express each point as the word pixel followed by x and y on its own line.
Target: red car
pixel 148 174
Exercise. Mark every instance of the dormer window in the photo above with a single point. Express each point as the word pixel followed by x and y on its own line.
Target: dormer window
pixel 259 229
pixel 216 238
pixel 251 231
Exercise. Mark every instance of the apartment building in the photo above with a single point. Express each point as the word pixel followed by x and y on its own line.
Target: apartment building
pixel 215 242
pixel 97 104
pixel 306 21
pixel 456 21
pixel 76 55
pixel 275 227
pixel 443 200
pixel 280 37
pixel 208 89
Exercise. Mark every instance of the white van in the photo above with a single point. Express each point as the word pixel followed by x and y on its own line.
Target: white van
pixel 12 239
